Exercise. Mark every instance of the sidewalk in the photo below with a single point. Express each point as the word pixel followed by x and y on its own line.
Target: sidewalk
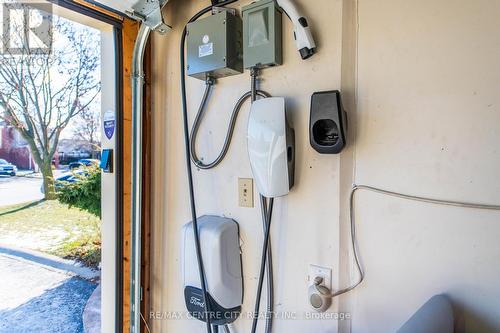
pixel 37 297
pixel 33 174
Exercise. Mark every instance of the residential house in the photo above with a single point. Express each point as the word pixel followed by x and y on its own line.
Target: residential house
pixel 15 149
pixel 70 150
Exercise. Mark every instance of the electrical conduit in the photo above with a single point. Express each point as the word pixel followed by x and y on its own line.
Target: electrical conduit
pixel 136 211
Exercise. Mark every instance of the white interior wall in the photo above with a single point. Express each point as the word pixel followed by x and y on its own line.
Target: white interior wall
pixel 427 87
pixel 305 226
pixel 428 124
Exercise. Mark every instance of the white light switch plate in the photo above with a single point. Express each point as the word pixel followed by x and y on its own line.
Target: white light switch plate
pixel 324 272
pixel 245 192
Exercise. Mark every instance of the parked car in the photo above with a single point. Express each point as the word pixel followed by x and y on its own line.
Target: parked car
pixel 83 163
pixel 67 178
pixel 7 168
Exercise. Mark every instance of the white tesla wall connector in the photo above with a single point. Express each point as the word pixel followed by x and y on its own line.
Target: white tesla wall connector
pixel 271 147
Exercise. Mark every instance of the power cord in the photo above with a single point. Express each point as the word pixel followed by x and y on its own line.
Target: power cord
pixel 356 188
pixel 145 323
pixel 265 246
pixel 269 271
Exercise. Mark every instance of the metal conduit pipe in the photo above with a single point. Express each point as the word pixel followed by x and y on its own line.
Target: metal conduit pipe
pixel 136 212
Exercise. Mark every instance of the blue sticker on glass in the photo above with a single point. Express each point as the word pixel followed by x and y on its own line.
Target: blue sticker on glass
pixel 109 123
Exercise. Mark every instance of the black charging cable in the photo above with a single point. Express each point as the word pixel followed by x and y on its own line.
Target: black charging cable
pixel 266 207
pixel 199 258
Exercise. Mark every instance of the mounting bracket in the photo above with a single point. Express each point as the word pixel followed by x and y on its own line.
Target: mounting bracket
pixel 149 12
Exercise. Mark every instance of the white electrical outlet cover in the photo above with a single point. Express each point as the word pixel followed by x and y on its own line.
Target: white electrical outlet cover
pixel 324 272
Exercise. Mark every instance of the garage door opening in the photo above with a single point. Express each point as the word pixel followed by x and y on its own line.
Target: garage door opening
pixel 59 153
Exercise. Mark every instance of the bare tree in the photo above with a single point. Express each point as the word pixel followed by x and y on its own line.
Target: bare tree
pixel 87 127
pixel 40 92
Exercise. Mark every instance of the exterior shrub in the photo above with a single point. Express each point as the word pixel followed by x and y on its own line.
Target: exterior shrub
pixel 84 193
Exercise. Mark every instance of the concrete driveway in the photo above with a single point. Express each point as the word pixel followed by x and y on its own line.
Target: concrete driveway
pixel 37 298
pixel 16 190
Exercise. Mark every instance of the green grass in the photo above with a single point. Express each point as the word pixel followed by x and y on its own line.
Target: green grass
pixel 54 228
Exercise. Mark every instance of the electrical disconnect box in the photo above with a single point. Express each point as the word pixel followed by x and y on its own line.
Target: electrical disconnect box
pixel 262 34
pixel 214 46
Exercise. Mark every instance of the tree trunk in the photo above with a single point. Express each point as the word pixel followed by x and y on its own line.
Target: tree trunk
pixel 48 180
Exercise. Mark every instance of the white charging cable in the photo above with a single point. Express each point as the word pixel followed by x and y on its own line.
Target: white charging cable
pixel 145 323
pixel 355 188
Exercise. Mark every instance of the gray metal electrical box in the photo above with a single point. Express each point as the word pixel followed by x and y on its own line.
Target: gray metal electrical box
pixel 262 34
pixel 214 46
